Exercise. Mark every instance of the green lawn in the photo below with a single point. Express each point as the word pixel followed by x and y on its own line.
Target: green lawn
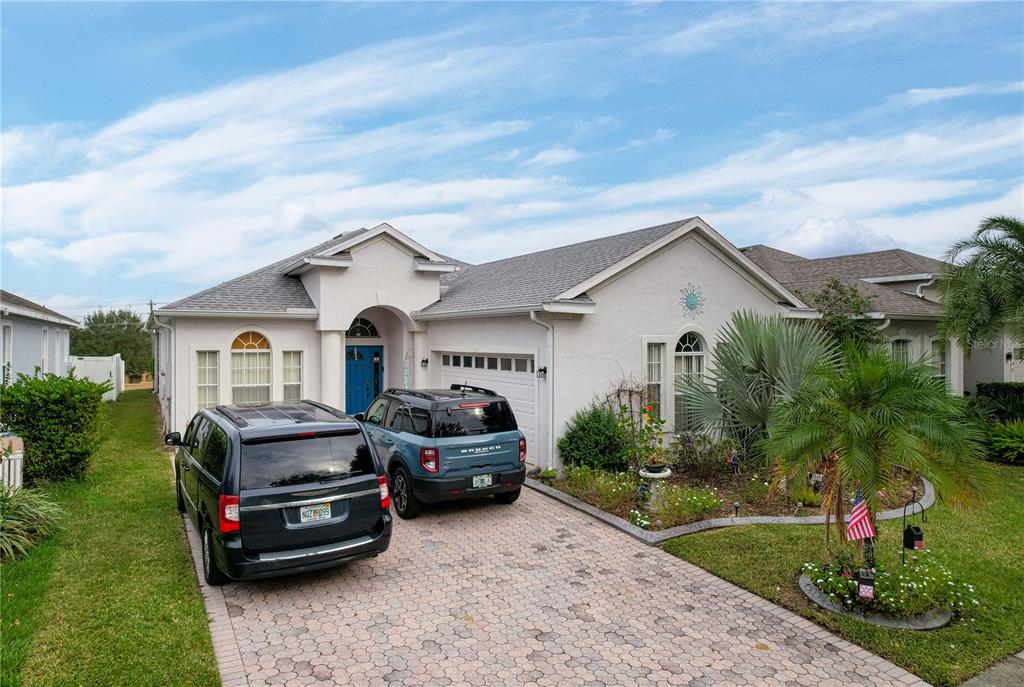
pixel 112 599
pixel 983 545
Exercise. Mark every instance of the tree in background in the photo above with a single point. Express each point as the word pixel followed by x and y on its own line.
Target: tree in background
pixel 115 331
pixel 844 314
pixel 983 285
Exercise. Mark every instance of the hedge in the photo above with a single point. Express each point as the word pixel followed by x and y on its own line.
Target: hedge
pixel 58 419
pixel 1005 400
pixel 594 438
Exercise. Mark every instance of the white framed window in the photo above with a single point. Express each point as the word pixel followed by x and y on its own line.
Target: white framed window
pixel 689 364
pixel 250 368
pixel 45 346
pixel 362 328
pixel 292 372
pixel 899 350
pixel 655 375
pixel 938 358
pixel 207 379
pixel 7 346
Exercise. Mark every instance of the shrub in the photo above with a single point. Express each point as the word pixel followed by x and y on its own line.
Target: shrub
pixel 755 489
pixel 26 515
pixel 614 492
pixel 905 590
pixel 1005 400
pixel 806 496
pixel 595 439
pixel 58 419
pixel 677 505
pixel 1006 441
pixel 701 455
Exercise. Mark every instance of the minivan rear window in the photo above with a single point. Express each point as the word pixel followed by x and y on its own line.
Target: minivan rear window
pixel 474 417
pixel 304 460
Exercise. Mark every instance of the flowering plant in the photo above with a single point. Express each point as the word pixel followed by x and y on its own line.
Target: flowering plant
pixel 643 431
pixel 918 587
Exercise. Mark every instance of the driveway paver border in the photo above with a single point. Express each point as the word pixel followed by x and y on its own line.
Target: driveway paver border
pixel 659 537
pixel 225 645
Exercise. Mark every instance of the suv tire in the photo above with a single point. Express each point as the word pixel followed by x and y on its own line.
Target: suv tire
pixel 508 496
pixel 177 495
pixel 406 504
pixel 211 573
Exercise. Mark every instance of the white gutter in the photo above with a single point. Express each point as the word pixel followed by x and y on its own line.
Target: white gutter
pixel 549 380
pixel 919 291
pixel 898 277
pixel 289 314
pixel 572 307
pixel 29 313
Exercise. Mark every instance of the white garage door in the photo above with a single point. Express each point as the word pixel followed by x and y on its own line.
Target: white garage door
pixel 512 376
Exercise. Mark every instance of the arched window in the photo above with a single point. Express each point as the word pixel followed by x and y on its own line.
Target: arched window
pixel 250 368
pixel 689 360
pixel 362 329
pixel 899 350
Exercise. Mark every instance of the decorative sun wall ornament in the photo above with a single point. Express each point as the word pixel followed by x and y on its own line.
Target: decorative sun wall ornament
pixel 692 301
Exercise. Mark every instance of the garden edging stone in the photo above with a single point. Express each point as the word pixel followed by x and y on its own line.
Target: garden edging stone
pixel 661 536
pixel 932 620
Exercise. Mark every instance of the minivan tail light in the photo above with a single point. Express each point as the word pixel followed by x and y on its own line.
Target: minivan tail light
pixel 428 459
pixel 522 450
pixel 228 513
pixel 385 493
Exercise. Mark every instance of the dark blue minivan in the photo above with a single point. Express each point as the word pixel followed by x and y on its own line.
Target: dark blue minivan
pixel 444 444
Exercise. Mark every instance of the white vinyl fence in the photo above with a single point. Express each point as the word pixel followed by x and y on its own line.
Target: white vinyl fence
pixel 12 461
pixel 100 369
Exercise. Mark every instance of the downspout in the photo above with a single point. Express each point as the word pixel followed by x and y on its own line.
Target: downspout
pixel 549 378
pixel 171 396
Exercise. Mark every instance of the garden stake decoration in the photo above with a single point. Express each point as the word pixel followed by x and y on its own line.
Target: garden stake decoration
pixel 913 536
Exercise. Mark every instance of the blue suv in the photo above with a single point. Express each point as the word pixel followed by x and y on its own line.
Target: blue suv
pixel 446 444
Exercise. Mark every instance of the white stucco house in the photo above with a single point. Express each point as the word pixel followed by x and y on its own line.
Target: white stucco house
pixel 551 330
pixel 32 337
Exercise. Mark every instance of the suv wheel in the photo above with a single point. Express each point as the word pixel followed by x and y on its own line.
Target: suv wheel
pixel 406 504
pixel 508 496
pixel 211 573
pixel 177 495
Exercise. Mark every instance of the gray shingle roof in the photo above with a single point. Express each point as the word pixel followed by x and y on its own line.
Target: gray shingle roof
pixel 539 277
pixel 267 289
pixel 14 299
pixel 809 276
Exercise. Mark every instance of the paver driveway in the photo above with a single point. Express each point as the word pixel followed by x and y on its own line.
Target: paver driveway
pixel 535 593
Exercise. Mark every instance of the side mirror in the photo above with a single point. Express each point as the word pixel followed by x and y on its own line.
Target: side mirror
pixel 359 416
pixel 173 439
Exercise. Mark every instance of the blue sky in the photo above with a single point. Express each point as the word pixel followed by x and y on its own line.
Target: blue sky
pixel 151 150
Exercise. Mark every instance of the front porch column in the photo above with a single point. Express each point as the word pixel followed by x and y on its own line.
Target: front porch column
pixel 955 368
pixel 332 368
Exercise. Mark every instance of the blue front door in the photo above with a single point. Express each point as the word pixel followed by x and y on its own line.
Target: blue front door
pixel 364 376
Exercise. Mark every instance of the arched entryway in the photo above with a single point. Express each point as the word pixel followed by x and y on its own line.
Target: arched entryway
pixel 378 347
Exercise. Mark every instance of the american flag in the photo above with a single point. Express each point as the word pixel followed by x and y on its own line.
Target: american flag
pixel 860 526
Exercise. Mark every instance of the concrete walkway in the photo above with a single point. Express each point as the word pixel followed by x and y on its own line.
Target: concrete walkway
pixel 534 593
pixel 1009 673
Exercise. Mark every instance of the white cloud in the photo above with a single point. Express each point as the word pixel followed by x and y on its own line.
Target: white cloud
pixel 926 96
pixel 558 155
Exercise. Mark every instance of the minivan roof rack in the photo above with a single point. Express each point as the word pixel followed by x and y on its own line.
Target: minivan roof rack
pixel 466 387
pixel 324 407
pixel 237 419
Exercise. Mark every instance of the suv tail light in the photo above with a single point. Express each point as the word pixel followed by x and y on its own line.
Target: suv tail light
pixel 522 449
pixel 228 513
pixel 385 493
pixel 428 459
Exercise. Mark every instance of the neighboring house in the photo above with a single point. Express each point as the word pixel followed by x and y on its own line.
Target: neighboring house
pixel 551 330
pixel 902 289
pixel 32 337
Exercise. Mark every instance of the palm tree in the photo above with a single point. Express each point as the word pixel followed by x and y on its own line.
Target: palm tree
pixel 758 361
pixel 983 286
pixel 857 422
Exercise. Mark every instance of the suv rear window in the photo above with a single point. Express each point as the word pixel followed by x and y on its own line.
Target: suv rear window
pixel 474 417
pixel 303 460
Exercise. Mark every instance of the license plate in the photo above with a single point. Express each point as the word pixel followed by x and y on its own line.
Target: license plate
pixel 321 511
pixel 481 481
